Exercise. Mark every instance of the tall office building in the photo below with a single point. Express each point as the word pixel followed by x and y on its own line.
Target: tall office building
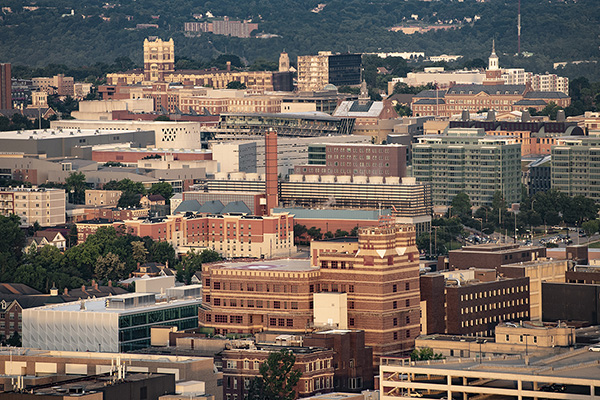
pixel 315 72
pixel 466 160
pixel 5 87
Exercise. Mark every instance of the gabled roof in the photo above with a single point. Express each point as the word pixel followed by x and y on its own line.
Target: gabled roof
pixel 489 89
pixel 188 206
pixel 430 101
pixel 49 235
pixel 212 207
pixel 236 207
pixel 545 95
pixel 528 102
pixel 155 197
pixel 17 289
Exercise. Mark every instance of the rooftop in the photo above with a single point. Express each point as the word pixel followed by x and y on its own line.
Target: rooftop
pixel 99 305
pixel 284 265
pixel 41 134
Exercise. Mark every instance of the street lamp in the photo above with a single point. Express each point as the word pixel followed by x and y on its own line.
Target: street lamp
pixel 480 342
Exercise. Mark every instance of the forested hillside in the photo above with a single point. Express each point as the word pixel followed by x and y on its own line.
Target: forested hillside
pixel 553 30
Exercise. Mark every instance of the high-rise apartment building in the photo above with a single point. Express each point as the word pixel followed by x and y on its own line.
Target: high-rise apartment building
pixel 575 166
pixel 5 87
pixel 466 160
pixel 44 206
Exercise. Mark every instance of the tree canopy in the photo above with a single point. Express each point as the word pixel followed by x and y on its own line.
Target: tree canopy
pixel 277 379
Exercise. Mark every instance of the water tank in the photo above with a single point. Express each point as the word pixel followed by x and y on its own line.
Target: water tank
pixel 311 178
pixel 376 179
pixel 221 176
pixel 409 180
pixel 392 180
pixel 237 176
pixel 344 179
pixel 360 179
pixel 328 178
pixel 296 178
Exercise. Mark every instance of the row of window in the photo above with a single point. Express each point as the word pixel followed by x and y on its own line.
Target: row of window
pixel 495 292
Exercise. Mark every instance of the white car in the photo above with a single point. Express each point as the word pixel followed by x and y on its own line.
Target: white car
pixel 595 347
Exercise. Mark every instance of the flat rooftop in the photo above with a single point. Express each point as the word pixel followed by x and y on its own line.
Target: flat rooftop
pixel 99 305
pixel 284 264
pixel 581 363
pixel 41 134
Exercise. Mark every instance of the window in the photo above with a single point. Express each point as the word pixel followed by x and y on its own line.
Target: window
pixel 394 288
pixel 289 322
pixel 351 305
pixel 395 335
pixel 395 305
pixel 407 285
pixel 272 321
pixel 217 285
pixel 407 319
pixel 276 304
pixel 351 321
pixel 407 302
pixel 395 321
pixel 217 302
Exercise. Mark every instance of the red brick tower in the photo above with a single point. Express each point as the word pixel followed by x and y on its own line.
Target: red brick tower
pixel 271 179
pixel 5 87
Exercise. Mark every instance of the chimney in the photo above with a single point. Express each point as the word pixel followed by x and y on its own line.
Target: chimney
pixel 465 115
pixel 271 179
pixel 228 66
pixel 109 283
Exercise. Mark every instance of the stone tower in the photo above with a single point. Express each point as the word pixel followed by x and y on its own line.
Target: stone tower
pixel 159 58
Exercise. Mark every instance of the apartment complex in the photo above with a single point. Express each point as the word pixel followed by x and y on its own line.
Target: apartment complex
pixel 317 71
pixel 575 168
pixel 355 159
pixel 58 84
pixel 466 160
pixel 376 287
pixel 102 198
pixel 44 206
pixel 232 235
pixel 5 87
pixel 538 82
pixel 241 29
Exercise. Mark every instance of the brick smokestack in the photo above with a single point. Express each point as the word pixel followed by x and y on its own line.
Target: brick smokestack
pixel 271 178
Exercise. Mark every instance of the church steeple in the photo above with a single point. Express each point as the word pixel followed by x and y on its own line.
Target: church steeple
pixel 493 60
pixel 493 73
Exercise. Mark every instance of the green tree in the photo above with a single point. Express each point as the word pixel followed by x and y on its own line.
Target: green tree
pixel 12 241
pixel 190 264
pixel 277 379
pixel 461 205
pixel 139 252
pixel 236 85
pixel 299 230
pixel 163 188
pixel 162 252
pixel 314 233
pixel 109 267
pixel 340 233
pixel 208 256
pixel 76 185
pixel 590 227
pixel 425 353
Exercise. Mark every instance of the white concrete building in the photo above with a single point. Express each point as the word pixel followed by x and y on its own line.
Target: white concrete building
pixel 114 324
pixel 168 134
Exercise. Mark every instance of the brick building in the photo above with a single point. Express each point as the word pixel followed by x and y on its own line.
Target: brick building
pixel 493 255
pixel 354 159
pixel 474 301
pixel 380 281
pixel 5 87
pixel 241 366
